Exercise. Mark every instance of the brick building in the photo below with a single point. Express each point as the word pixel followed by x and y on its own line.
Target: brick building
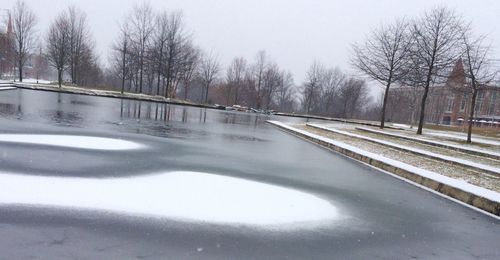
pixel 447 103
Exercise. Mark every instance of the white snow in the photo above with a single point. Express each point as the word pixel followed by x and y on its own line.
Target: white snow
pixel 459 184
pixel 462 147
pixel 191 196
pixel 401 126
pixel 7 88
pixel 73 141
pixel 40 81
pixel 414 150
pixel 463 137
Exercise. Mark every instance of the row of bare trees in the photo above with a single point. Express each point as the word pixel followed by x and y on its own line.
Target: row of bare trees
pixel 328 91
pixel 154 53
pixel 261 84
pixel 69 44
pixel 421 52
pixel 70 48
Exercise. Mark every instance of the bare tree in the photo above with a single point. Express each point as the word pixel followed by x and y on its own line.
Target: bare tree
pixel 80 45
pixel 24 22
pixel 272 80
pixel 285 92
pixel 312 86
pixel 142 28
pixel 160 41
pixel 176 41
pixel 190 63
pixel 235 77
pixel 331 81
pixel 437 39
pixel 258 73
pixel 478 70
pixel 382 56
pixel 121 57
pixel 209 71
pixel 57 44
pixel 352 95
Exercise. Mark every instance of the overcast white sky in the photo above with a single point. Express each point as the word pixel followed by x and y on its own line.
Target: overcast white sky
pixel 293 32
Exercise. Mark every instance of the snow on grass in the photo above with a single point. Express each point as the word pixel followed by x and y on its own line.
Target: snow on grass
pixel 491 169
pixel 459 184
pixel 190 196
pixel 40 81
pixel 463 137
pixel 460 147
pixel 72 141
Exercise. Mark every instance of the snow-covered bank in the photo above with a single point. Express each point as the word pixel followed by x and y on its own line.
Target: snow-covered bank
pixel 7 88
pixel 185 196
pixel 72 141
pixel 463 137
pixel 463 148
pixel 450 159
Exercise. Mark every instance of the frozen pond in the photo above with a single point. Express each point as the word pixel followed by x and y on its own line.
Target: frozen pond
pixel 94 177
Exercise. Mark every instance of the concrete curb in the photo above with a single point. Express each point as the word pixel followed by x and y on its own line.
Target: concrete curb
pixel 437 144
pixel 439 157
pixel 483 203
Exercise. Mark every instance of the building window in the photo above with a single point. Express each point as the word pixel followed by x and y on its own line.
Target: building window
pixel 493 100
pixel 479 106
pixel 479 102
pixel 464 102
pixel 449 105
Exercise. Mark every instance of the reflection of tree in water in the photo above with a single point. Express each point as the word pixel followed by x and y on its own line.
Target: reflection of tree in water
pixel 141 110
pixel 157 111
pixel 68 118
pixel 9 110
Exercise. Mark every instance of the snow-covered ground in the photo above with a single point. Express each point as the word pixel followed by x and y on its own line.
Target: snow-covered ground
pixel 467 163
pixel 7 88
pixel 463 137
pixel 185 196
pixel 40 81
pixel 432 141
pixel 72 141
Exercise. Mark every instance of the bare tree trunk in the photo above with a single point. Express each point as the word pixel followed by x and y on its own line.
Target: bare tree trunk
pixel 20 71
pixel 384 105
pixel 422 111
pixel 471 116
pixel 59 77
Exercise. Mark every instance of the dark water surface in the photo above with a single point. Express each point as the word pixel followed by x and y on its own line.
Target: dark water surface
pixel 382 217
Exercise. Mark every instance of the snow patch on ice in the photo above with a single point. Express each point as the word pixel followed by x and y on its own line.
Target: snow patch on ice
pixel 191 196
pixel 73 141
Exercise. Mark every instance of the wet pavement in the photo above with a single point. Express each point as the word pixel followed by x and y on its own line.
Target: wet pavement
pixel 381 216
